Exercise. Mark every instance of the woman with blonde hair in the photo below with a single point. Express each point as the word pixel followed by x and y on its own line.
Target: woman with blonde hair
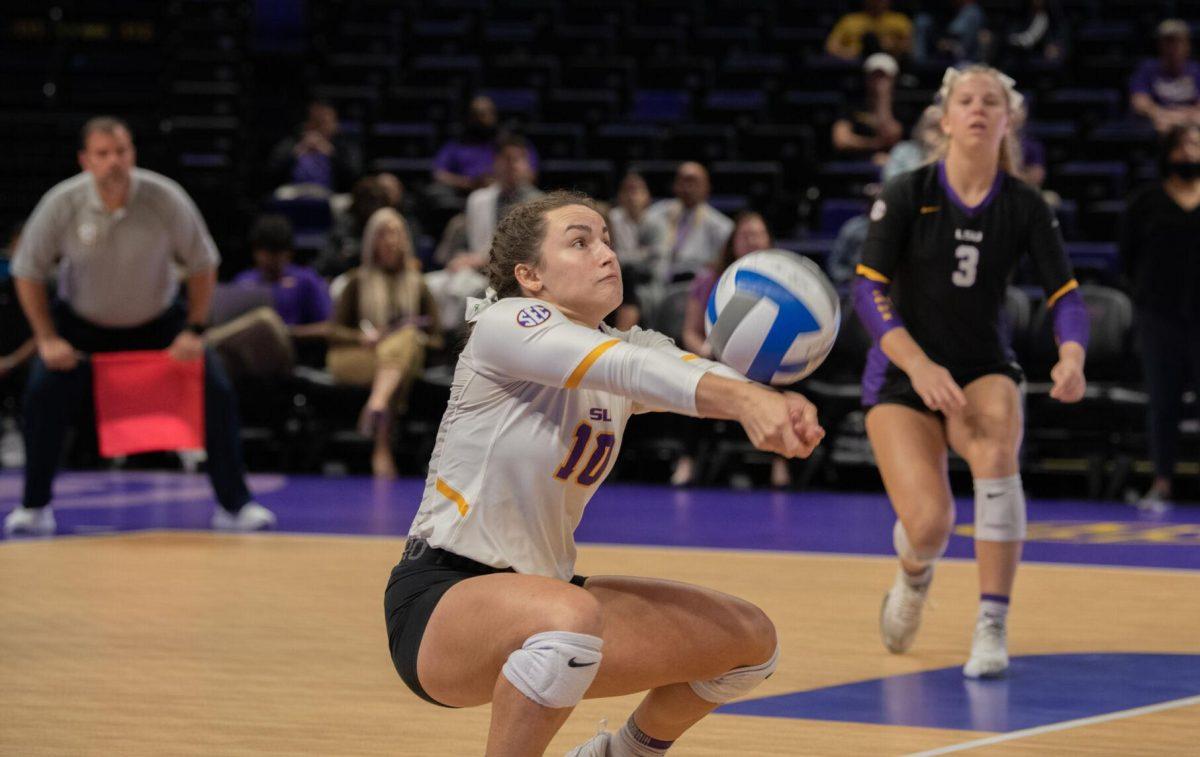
pixel 384 320
pixel 943 244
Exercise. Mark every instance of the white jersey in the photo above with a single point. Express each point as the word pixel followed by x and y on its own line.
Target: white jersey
pixel 536 413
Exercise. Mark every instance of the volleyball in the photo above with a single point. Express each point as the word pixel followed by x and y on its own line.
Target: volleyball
pixel 773 316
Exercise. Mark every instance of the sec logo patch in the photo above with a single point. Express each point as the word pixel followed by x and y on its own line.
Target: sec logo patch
pixel 533 315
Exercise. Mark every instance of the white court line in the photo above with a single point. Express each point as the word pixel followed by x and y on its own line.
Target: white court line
pixel 1051 728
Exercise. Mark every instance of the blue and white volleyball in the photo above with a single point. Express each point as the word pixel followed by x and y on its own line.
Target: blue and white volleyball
pixel 773 316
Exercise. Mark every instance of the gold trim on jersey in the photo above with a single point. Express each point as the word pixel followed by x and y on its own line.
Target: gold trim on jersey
pixel 689 357
pixel 927 209
pixel 581 370
pixel 450 493
pixel 872 274
pixel 1072 284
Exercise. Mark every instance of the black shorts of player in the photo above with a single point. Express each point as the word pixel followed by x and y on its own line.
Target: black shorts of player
pixel 423 575
pixel 897 388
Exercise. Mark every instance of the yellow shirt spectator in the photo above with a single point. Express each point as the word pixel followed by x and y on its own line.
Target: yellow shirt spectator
pixel 892 29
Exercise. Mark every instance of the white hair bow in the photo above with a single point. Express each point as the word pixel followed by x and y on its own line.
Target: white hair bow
pixel 1015 99
pixel 476 305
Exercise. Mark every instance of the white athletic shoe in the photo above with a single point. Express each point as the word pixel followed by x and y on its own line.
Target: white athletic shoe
pixel 900 615
pixel 252 517
pixel 596 746
pixel 37 521
pixel 989 650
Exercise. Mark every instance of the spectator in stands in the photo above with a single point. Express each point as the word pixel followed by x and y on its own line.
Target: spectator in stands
pixel 465 164
pixel 301 297
pixel 1158 254
pixel 917 150
pixel 1038 35
pixel 874 29
pixel 1166 90
pixel 121 232
pixel 462 275
pixel 262 343
pixel 959 40
pixel 870 129
pixel 318 155
pixel 1033 154
pixel 749 235
pixel 695 230
pixel 401 201
pixel 637 238
pixel 345 239
pixel 384 320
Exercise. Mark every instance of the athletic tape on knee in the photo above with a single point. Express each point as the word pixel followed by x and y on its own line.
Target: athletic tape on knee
pixel 555 668
pixel 999 509
pixel 911 554
pixel 736 683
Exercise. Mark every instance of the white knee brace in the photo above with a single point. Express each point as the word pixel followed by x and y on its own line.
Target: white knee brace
pixel 737 682
pixel 911 554
pixel 555 668
pixel 999 509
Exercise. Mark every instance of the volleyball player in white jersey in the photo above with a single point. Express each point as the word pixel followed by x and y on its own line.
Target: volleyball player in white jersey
pixel 485 606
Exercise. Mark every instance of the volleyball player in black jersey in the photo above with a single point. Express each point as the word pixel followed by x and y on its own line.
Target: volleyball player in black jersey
pixel 943 244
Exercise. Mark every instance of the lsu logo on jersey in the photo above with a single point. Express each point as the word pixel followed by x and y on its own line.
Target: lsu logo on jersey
pixel 533 315
pixel 599 414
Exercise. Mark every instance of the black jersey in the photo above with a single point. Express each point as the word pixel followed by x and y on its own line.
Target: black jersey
pixel 949 266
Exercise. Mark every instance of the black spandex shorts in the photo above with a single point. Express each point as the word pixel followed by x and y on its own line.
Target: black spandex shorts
pixel 417 584
pixel 897 389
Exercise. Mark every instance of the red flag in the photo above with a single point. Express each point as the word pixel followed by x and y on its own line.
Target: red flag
pixel 147 401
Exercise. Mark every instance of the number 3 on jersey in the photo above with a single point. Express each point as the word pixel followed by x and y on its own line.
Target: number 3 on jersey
pixel 596 464
pixel 968 263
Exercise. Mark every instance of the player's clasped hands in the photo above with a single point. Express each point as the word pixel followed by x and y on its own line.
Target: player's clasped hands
pixel 937 388
pixel 781 422
pixel 1069 383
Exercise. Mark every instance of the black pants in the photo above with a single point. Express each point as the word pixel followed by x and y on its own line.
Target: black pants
pixel 52 399
pixel 1170 352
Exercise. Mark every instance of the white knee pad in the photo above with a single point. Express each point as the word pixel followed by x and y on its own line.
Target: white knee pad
pixel 737 682
pixel 911 554
pixel 999 509
pixel 555 668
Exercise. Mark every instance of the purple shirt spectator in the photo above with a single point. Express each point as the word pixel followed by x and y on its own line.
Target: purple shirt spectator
pixel 1167 91
pixel 472 159
pixel 301 296
pixel 313 168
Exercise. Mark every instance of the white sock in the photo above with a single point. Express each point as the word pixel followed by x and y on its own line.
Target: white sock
pixel 631 741
pixel 993 607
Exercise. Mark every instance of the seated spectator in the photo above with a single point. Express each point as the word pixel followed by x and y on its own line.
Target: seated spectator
pixel 874 29
pixel 1038 35
pixel 384 320
pixel 345 239
pixel 637 239
pixel 749 235
pixel 914 152
pixel 261 344
pixel 462 275
pixel 870 129
pixel 400 200
pixel 317 156
pixel 695 230
pixel 958 40
pixel 1166 90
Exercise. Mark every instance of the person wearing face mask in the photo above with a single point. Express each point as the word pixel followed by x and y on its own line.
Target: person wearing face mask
pixel 319 155
pixel 1162 265
pixel 943 244
pixel 384 320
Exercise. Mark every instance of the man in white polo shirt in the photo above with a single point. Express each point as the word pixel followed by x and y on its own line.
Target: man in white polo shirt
pixel 120 234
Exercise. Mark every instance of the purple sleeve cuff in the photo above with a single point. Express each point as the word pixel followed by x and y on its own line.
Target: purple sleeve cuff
pixel 874 307
pixel 1071 319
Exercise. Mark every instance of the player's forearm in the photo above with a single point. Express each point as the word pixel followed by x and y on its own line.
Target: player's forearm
pixel 1072 351
pixel 723 398
pixel 903 350
pixel 35 301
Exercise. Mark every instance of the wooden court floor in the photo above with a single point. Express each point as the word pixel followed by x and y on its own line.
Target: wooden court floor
pixel 192 643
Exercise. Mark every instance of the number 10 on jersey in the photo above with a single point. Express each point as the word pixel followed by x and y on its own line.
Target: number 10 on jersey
pixel 598 462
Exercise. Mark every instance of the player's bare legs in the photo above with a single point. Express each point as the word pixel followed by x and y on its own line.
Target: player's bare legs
pixel 910 450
